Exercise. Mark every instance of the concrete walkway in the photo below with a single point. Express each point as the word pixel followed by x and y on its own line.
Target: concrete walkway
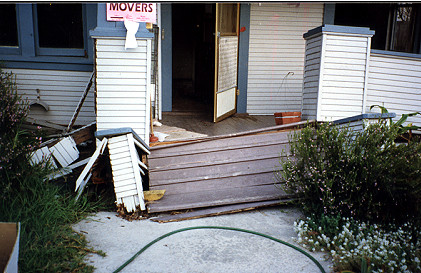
pixel 199 250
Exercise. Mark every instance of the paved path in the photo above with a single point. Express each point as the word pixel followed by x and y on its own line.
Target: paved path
pixel 199 250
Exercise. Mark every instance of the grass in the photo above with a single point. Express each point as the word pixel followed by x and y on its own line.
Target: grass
pixel 46 213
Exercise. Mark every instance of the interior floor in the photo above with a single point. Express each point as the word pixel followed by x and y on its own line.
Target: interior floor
pixel 193 51
pixel 177 124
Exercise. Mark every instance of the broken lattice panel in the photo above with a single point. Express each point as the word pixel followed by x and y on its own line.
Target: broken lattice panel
pixel 126 172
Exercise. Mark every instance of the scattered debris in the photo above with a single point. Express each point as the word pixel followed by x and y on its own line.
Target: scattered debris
pixel 129 171
pixel 154 195
pixel 86 175
pixel 65 151
pixel 81 101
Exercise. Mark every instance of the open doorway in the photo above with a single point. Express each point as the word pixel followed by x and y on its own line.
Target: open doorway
pixel 193 58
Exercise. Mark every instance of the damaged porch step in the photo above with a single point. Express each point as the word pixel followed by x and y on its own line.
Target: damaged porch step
pixel 218 171
pixel 217 197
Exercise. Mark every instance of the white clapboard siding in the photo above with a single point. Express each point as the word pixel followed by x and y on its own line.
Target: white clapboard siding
pixel 311 77
pixel 123 85
pixel 344 67
pixel 276 55
pixel 395 83
pixel 335 77
pixel 126 175
pixel 60 90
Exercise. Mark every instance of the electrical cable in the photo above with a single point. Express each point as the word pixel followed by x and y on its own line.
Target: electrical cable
pixel 224 228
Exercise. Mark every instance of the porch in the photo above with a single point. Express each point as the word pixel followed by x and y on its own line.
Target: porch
pixel 344 76
pixel 188 125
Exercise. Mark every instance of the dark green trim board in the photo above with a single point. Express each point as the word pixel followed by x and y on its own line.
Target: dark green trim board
pixel 166 56
pixel 243 57
pixel 329 14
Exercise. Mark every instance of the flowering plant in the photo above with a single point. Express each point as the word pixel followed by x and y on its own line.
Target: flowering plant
pixel 355 245
pixel 15 142
pixel 364 175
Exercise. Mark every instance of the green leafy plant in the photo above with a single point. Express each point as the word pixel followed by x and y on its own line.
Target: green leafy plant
pixel 357 246
pixel 399 124
pixel 364 175
pixel 16 144
pixel 45 211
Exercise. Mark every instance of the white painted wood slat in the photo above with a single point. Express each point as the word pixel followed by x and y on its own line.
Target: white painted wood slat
pixel 123 79
pixel 394 82
pixel 277 48
pixel 57 88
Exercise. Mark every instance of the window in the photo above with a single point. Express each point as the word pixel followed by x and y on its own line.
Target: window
pixel 403 29
pixel 8 26
pixel 397 26
pixel 59 26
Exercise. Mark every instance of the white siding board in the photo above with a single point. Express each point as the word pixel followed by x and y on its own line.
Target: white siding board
pixel 276 49
pixel 122 62
pixel 61 90
pixel 122 82
pixel 394 82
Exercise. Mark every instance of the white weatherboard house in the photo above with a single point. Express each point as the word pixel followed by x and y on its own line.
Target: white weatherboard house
pixel 329 61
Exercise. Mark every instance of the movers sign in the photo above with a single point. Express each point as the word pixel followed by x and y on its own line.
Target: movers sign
pixel 137 12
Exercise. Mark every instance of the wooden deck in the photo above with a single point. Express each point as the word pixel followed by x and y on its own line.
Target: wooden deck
pixel 219 170
pixel 183 125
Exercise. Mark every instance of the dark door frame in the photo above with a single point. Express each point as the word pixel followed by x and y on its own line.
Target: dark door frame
pixel 166 57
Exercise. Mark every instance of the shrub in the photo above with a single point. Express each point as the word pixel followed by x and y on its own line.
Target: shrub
pixel 364 175
pixel 15 143
pixel 351 243
pixel 48 243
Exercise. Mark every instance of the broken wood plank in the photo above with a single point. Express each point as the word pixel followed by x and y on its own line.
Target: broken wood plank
pixel 217 197
pixel 42 154
pixel 286 127
pixel 65 151
pixel 215 211
pixel 99 150
pixel 45 123
pixel 67 170
pixel 165 177
pixel 225 143
pixel 82 186
pixel 219 157
pixel 81 101
pixel 254 179
pixel 80 135
pixel 138 177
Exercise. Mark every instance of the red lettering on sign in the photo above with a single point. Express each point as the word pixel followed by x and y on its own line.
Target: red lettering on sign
pixel 130 7
pixel 150 7
pixel 138 7
pixel 144 7
pixel 121 7
pixel 113 6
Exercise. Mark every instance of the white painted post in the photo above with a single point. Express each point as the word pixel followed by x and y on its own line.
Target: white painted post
pixel 339 89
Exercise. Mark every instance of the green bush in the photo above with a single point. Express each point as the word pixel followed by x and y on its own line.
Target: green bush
pixel 364 175
pixel 45 211
pixel 355 245
pixel 16 144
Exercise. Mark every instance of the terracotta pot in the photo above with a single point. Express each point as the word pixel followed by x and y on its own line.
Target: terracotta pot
pixel 287 117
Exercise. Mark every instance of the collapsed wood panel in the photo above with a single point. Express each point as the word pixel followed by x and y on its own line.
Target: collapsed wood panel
pixel 126 173
pixel 230 170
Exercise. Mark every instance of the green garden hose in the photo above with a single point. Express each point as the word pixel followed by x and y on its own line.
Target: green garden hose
pixel 215 227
